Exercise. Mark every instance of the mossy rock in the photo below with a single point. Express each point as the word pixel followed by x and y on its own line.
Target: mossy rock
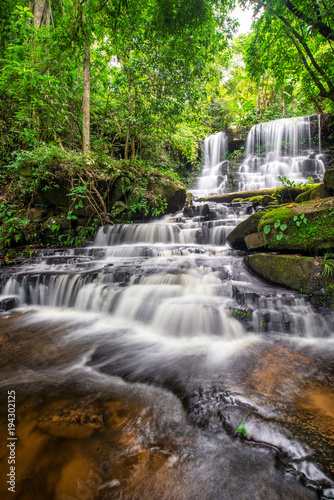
pixel 306 196
pixel 287 194
pixel 295 272
pixel 238 200
pixel 60 222
pixel 305 227
pixel 320 192
pixel 173 191
pixel 37 215
pixel 229 197
pixel 309 275
pixel 329 179
pixel 261 200
pixel 236 237
pixel 117 187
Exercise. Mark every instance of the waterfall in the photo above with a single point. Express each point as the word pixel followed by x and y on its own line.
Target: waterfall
pixel 281 148
pixel 215 168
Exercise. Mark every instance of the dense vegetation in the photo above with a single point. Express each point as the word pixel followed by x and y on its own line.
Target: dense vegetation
pixel 134 86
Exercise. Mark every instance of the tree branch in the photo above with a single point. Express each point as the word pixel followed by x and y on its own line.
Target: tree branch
pixel 321 27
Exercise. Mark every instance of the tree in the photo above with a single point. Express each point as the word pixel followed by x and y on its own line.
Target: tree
pixel 302 34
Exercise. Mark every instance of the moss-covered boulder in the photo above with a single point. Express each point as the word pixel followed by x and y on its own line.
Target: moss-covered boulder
pixel 329 179
pixel 304 227
pixel 320 192
pixel 309 275
pixel 173 191
pixel 236 238
pixel 292 271
pixel 287 194
pixel 306 196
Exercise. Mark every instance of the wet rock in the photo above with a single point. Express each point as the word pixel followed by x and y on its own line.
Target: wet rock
pixel 72 421
pixel 305 274
pixel 8 303
pixel 236 238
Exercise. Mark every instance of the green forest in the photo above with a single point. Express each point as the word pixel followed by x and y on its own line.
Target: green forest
pixel 97 93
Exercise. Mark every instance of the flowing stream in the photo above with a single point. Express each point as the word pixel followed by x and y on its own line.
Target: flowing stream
pixel 135 359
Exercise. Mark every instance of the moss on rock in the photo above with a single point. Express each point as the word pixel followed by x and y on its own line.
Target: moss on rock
pixel 287 194
pixel 329 179
pixel 320 192
pixel 292 271
pixel 309 226
pixel 304 274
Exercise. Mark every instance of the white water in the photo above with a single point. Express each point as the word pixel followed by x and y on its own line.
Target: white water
pixel 213 177
pixel 282 148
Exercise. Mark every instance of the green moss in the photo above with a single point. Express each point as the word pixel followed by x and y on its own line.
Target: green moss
pixel 292 271
pixel 316 233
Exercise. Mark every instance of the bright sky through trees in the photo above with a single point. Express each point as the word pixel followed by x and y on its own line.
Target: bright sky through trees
pixel 245 19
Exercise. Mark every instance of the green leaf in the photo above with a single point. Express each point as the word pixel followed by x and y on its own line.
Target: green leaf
pixel 266 229
pixel 283 227
pixel 302 216
pixel 298 223
pixel 279 236
pixel 277 224
pixel 242 427
pixel 295 218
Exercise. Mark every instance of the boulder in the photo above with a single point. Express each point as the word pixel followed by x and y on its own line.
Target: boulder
pixel 292 271
pixel 173 191
pixel 329 179
pixel 309 275
pixel 306 227
pixel 287 194
pixel 306 196
pixel 8 303
pixel 261 200
pixel 57 222
pixel 320 192
pixel 236 237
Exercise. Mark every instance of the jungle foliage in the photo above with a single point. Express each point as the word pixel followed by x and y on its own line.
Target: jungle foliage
pixel 142 82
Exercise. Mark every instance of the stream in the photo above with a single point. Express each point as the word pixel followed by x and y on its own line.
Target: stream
pixel 135 359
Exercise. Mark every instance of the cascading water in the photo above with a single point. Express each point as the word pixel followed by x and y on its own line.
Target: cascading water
pixel 215 168
pixel 282 148
pixel 170 309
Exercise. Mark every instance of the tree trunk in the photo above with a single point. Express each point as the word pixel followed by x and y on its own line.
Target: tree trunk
pixel 86 99
pixel 42 13
pixel 38 12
